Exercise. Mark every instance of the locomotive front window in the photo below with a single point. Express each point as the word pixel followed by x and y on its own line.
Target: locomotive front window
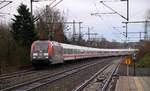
pixel 41 46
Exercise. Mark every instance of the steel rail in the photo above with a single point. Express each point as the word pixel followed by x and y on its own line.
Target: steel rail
pixel 4 76
pixel 109 79
pixel 47 79
pixel 82 86
pixel 17 75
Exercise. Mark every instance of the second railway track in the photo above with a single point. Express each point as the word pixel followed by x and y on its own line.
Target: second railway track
pixel 100 80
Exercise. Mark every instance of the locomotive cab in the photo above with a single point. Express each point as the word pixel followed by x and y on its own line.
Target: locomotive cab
pixel 40 52
pixel 44 53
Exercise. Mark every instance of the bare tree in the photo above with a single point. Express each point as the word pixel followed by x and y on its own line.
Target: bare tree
pixel 51 24
pixel 6 47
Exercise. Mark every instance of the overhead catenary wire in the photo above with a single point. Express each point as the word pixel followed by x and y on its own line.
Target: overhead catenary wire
pixel 108 26
pixel 113 10
pixel 37 18
pixel 103 20
pixel 7 3
pixel 100 16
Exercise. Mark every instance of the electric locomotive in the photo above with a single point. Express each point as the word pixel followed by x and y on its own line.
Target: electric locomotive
pixel 46 53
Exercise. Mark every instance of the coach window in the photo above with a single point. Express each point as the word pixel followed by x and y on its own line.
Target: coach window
pixel 65 51
pixel 69 51
pixel 79 51
pixel 74 51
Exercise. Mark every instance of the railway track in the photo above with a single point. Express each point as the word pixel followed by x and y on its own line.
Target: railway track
pixel 20 77
pixel 9 79
pixel 5 79
pixel 17 74
pixel 100 81
pixel 28 85
pixel 14 74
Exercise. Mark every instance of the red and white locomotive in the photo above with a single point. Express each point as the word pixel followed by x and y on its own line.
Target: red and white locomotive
pixel 52 52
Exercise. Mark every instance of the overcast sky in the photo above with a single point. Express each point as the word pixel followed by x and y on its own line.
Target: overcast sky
pixel 80 10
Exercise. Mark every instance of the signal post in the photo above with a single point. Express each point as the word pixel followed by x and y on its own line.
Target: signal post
pixel 128 61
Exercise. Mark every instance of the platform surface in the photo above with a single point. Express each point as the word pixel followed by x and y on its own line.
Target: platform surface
pixel 131 83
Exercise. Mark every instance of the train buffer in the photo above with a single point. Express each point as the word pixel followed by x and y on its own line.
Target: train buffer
pixel 133 83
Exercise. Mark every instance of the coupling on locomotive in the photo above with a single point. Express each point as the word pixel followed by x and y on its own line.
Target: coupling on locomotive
pixel 52 52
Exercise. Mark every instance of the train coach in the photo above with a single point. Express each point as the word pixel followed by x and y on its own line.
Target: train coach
pixel 51 52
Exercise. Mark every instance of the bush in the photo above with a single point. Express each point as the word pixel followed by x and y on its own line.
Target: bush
pixel 12 56
pixel 144 61
pixel 144 55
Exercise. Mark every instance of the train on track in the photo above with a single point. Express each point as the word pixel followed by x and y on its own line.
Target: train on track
pixel 52 52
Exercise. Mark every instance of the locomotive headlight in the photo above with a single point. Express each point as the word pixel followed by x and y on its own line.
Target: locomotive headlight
pixel 45 54
pixel 34 57
pixel 35 54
